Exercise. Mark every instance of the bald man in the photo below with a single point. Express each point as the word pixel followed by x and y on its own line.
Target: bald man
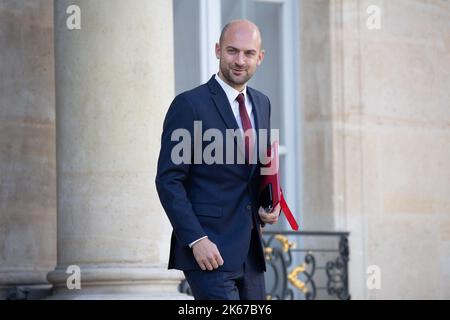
pixel 213 207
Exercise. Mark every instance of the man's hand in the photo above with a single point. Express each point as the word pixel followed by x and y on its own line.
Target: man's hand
pixel 269 217
pixel 207 255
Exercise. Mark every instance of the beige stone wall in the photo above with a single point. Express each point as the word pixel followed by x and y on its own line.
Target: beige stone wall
pixel 316 104
pixel 377 130
pixel 27 135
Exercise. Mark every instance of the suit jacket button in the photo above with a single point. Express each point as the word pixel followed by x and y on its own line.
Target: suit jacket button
pixel 249 207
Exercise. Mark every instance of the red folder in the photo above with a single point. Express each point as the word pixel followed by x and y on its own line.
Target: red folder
pixel 270 193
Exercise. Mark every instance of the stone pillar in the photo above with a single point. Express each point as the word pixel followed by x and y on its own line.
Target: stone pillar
pixel 114 81
pixel 27 151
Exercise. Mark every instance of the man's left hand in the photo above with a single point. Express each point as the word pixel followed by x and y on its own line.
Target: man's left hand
pixel 269 217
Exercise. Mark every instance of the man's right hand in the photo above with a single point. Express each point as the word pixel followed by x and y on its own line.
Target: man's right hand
pixel 207 255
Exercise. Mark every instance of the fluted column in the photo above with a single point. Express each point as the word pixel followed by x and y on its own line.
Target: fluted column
pixel 114 81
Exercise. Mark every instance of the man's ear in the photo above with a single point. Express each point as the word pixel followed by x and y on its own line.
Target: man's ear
pixel 261 57
pixel 217 50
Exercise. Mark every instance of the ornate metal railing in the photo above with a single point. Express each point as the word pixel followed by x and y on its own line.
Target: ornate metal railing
pixel 304 265
pixel 307 265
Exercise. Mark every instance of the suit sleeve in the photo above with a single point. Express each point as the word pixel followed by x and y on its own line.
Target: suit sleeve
pixel 171 178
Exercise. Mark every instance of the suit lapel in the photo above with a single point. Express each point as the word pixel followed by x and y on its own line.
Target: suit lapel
pixel 223 107
pixel 258 123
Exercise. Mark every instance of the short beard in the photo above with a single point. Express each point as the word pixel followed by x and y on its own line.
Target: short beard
pixel 229 77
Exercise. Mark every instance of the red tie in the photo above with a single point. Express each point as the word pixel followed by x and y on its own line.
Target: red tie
pixel 246 125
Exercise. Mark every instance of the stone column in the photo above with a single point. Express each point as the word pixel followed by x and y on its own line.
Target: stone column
pixel 27 150
pixel 114 81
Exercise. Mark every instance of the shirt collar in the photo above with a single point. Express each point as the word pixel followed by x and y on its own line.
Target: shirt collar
pixel 231 92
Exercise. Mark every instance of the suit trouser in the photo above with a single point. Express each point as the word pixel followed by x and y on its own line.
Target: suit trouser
pixel 247 283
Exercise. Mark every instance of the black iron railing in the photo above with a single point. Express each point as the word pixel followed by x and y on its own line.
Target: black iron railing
pixel 307 265
pixel 304 265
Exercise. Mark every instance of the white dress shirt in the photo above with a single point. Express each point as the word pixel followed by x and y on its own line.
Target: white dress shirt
pixel 232 94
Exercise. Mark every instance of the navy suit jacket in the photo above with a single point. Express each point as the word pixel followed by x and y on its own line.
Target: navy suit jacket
pixel 214 200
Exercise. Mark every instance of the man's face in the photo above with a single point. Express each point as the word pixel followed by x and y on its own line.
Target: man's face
pixel 239 53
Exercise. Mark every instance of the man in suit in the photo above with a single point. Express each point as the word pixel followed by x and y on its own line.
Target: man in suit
pixel 213 207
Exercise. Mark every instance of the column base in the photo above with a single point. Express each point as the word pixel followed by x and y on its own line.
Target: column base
pixel 23 283
pixel 118 282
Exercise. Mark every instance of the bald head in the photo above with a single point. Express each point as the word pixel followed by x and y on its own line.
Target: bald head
pixel 241 26
pixel 239 51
